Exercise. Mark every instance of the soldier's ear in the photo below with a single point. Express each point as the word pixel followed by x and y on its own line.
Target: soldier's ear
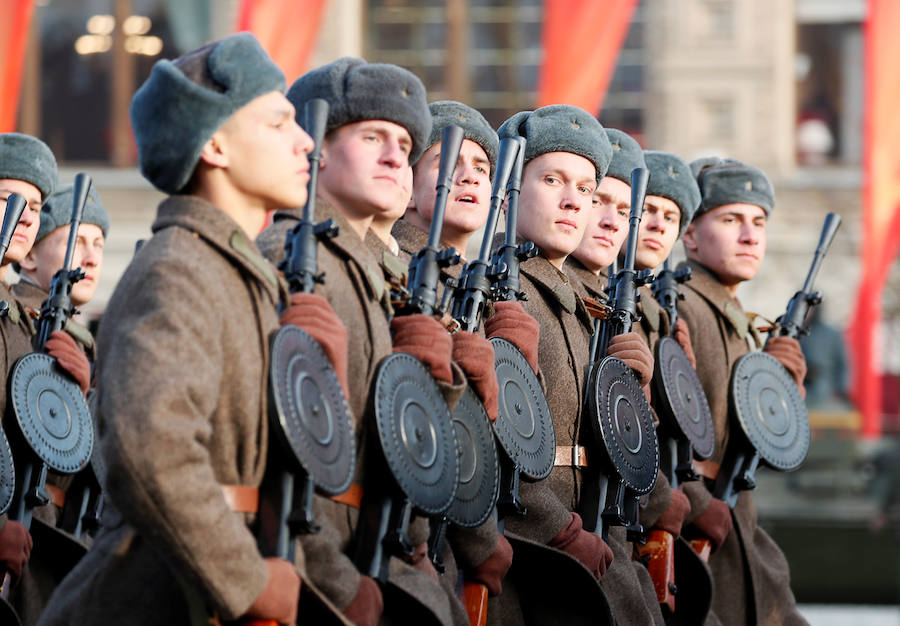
pixel 29 263
pixel 214 151
pixel 689 238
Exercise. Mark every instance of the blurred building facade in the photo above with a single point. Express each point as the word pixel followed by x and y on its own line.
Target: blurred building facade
pixel 776 83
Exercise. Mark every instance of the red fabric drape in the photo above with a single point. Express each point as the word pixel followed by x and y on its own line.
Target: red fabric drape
pixel 581 40
pixel 881 202
pixel 287 29
pixel 15 16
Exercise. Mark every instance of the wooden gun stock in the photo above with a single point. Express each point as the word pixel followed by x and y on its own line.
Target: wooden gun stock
pixel 659 554
pixel 475 599
pixel 702 547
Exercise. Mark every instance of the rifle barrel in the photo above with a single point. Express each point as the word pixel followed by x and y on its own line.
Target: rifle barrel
pixel 515 185
pixel 829 228
pixel 316 119
pixel 509 150
pixel 451 142
pixel 15 206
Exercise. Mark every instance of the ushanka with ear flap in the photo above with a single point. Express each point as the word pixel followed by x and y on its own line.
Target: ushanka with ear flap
pixel 561 128
pixel 671 177
pixel 185 101
pixel 357 91
pixel 729 181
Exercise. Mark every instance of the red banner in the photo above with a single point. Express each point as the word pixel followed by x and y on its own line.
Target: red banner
pixel 581 41
pixel 15 16
pixel 287 29
pixel 881 203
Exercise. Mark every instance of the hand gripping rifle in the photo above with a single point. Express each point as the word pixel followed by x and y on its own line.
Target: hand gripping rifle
pixel 412 419
pixel 524 426
pixel 58 429
pixel 622 425
pixel 765 399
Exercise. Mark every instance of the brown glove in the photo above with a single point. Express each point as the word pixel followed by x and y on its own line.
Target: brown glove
pixel 475 356
pixel 673 517
pixel 420 561
pixel 683 337
pixel 423 337
pixel 715 522
pixel 279 600
pixel 511 322
pixel 587 547
pixel 491 572
pixel 634 351
pixel 313 313
pixel 367 605
pixel 15 549
pixel 789 354
pixel 63 348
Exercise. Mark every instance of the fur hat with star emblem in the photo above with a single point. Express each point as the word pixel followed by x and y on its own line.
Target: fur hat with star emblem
pixel 561 128
pixel 729 181
pixel 475 127
pixel 671 177
pixel 627 155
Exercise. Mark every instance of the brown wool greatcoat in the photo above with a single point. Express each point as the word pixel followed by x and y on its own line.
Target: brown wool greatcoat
pixel 356 289
pixel 721 332
pixel 181 411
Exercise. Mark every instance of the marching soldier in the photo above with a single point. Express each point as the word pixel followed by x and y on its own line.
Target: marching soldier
pixel 46 256
pixel 27 167
pixel 378 124
pixel 181 403
pixel 725 245
pixel 567 154
pixel 482 553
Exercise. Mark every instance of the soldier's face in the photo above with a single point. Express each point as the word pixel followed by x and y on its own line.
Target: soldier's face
pixel 266 153
pixel 555 203
pixel 658 232
pixel 470 195
pixel 27 228
pixel 365 166
pixel 607 226
pixel 729 240
pixel 47 256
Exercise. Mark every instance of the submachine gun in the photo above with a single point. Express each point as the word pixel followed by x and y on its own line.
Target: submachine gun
pixel 524 426
pixel 765 401
pixel 313 444
pixel 624 438
pixel 51 415
pixel 479 472
pixel 685 429
pixel 412 419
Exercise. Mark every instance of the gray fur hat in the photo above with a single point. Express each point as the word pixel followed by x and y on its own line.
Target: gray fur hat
pixel 475 127
pixel 57 211
pixel 23 157
pixel 729 181
pixel 181 105
pixel 561 128
pixel 627 155
pixel 356 90
pixel 671 177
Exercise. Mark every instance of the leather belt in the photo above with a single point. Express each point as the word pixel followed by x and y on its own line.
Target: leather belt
pixel 571 456
pixel 352 497
pixel 241 498
pixel 707 469
pixel 57 495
